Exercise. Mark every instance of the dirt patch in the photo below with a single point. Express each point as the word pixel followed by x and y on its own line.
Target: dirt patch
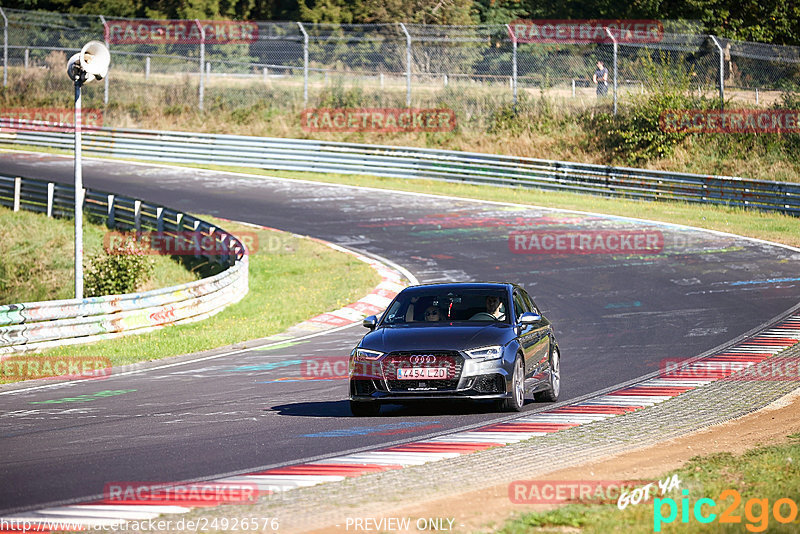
pixel 488 508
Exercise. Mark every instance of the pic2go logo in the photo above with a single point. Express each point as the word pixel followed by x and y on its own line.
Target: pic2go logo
pixel 756 511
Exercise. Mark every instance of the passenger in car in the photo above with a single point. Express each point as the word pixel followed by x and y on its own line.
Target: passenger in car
pixel 432 313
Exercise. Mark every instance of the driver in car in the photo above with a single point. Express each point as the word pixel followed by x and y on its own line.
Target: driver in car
pixel 494 308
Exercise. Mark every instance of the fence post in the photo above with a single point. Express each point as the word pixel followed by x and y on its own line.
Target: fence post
pixel 721 72
pixel 137 215
pixel 17 191
pixel 513 62
pixel 5 47
pixel 305 63
pixel 106 33
pixel 408 65
pixel 51 193
pixel 112 213
pixel 614 40
pixel 147 68
pixel 202 61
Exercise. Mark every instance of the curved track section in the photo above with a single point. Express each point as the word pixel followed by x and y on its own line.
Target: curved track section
pixel 618 316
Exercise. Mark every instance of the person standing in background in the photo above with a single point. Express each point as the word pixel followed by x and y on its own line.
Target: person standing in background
pixel 601 79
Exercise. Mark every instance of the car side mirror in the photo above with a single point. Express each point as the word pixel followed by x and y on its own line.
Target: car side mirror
pixel 529 318
pixel 370 322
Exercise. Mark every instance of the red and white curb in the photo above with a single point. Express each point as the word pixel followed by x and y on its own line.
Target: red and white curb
pixel 392 282
pixel 666 385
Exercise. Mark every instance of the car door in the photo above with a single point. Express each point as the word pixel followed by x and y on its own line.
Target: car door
pixel 527 334
pixel 539 336
pixel 542 333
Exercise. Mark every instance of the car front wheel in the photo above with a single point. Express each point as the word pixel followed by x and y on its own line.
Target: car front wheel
pixel 517 399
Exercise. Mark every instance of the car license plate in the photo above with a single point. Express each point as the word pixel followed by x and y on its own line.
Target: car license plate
pixel 419 373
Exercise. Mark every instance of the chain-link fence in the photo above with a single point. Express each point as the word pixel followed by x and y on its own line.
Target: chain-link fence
pixel 474 70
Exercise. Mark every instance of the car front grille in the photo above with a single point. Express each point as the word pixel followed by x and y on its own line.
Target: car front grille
pixel 450 360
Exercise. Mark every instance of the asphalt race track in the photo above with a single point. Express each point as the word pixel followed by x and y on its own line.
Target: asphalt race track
pixel 616 315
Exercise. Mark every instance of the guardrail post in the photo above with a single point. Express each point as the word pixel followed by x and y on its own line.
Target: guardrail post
pixel 106 33
pixel 137 215
pixel 408 65
pixel 305 63
pixel 147 68
pixel 202 61
pixel 112 212
pixel 51 193
pixel 513 62
pixel 159 219
pixel 614 40
pixel 17 190
pixel 721 72
pixel 179 222
pixel 5 47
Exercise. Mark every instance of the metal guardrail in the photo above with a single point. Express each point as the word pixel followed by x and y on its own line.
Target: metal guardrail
pixel 40 325
pixel 408 162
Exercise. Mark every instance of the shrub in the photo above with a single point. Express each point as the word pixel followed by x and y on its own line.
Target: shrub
pixel 120 270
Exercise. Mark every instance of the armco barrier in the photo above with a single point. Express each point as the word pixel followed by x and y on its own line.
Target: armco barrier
pixel 41 325
pixel 407 162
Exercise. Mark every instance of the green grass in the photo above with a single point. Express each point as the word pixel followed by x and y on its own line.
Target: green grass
pixel 769 472
pixel 37 258
pixel 291 280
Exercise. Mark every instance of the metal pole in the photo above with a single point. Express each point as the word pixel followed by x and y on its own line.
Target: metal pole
pixel 105 78
pixel 614 40
pixel 305 63
pixel 202 61
pixel 408 65
pixel 721 73
pixel 5 47
pixel 78 194
pixel 513 62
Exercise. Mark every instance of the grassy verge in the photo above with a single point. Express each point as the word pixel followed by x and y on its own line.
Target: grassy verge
pixel 36 258
pixel 291 279
pixel 767 474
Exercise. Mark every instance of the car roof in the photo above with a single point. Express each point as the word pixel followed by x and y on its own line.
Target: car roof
pixel 460 286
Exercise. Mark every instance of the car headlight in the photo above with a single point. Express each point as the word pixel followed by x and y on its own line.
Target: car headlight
pixel 366 354
pixel 486 353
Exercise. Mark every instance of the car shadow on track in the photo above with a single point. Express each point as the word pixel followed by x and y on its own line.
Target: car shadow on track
pixel 342 409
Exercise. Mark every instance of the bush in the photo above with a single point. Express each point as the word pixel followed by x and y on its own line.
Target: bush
pixel 635 135
pixel 122 269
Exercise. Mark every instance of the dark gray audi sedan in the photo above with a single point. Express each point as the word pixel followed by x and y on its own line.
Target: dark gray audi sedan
pixel 456 341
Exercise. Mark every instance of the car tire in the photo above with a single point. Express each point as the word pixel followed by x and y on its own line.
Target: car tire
pixel 365 409
pixel 517 399
pixel 554 388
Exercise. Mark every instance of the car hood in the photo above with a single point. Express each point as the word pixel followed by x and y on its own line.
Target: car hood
pixel 437 337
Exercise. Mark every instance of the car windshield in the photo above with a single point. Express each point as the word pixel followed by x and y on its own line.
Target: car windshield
pixel 431 305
